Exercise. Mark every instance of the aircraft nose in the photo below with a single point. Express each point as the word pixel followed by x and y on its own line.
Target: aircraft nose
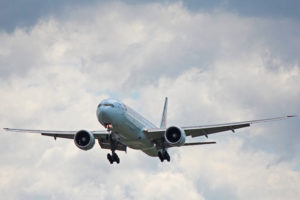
pixel 104 116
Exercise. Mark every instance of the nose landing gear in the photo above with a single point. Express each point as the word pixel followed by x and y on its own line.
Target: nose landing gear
pixel 108 127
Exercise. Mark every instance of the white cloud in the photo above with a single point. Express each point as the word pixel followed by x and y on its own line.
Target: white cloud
pixel 248 174
pixel 215 67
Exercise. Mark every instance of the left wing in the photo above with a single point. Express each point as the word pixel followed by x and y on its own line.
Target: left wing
pixel 195 131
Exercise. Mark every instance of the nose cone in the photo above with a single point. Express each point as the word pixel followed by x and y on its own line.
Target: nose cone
pixel 104 115
pixel 107 111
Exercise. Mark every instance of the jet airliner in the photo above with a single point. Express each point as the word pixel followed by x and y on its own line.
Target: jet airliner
pixel 127 128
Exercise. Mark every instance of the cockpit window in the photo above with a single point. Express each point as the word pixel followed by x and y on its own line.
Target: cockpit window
pixel 105 104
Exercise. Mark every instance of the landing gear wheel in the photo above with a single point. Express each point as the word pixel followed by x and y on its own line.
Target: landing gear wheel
pixel 113 158
pixel 110 158
pixel 167 156
pixel 161 158
pixel 116 158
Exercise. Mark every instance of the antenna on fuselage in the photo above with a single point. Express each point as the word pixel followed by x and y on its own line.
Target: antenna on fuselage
pixel 163 123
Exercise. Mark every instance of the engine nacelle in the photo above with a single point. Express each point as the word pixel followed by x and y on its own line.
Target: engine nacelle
pixel 175 136
pixel 84 140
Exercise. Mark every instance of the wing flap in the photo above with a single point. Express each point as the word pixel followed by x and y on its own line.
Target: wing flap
pixel 198 143
pixel 66 136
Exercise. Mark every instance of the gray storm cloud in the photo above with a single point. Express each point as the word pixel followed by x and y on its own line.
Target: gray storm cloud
pixel 214 67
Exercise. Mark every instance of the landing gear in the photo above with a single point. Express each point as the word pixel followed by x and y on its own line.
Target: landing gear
pixel 108 127
pixel 113 158
pixel 160 156
pixel 164 156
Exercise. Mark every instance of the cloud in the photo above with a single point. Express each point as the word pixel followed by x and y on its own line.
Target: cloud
pixel 14 14
pixel 214 67
pixel 245 174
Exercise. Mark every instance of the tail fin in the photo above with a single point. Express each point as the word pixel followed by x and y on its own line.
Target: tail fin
pixel 163 123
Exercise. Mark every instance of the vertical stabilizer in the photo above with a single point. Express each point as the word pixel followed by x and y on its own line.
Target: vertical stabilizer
pixel 163 123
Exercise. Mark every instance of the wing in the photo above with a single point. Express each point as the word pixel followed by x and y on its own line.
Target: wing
pixel 58 134
pixel 102 136
pixel 195 131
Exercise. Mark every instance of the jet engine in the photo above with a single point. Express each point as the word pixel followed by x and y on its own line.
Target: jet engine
pixel 84 140
pixel 175 136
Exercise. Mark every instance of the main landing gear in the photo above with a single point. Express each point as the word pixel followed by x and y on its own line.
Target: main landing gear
pixel 164 156
pixel 113 158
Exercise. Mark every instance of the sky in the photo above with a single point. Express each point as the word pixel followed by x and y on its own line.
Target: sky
pixel 217 61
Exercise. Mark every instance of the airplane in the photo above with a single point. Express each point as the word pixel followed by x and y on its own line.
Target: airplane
pixel 127 128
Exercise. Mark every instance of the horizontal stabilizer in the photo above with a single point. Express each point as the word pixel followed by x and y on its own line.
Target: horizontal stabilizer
pixel 198 143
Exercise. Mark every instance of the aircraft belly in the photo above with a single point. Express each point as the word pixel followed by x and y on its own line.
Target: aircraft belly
pixel 134 139
pixel 138 144
pixel 131 134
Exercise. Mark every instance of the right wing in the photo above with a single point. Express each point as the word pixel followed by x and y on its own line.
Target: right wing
pixel 102 136
pixel 55 134
pixel 58 134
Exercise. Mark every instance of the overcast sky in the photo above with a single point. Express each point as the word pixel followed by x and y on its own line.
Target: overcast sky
pixel 217 61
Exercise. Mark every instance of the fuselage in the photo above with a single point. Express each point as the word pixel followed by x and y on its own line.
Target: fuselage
pixel 127 126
